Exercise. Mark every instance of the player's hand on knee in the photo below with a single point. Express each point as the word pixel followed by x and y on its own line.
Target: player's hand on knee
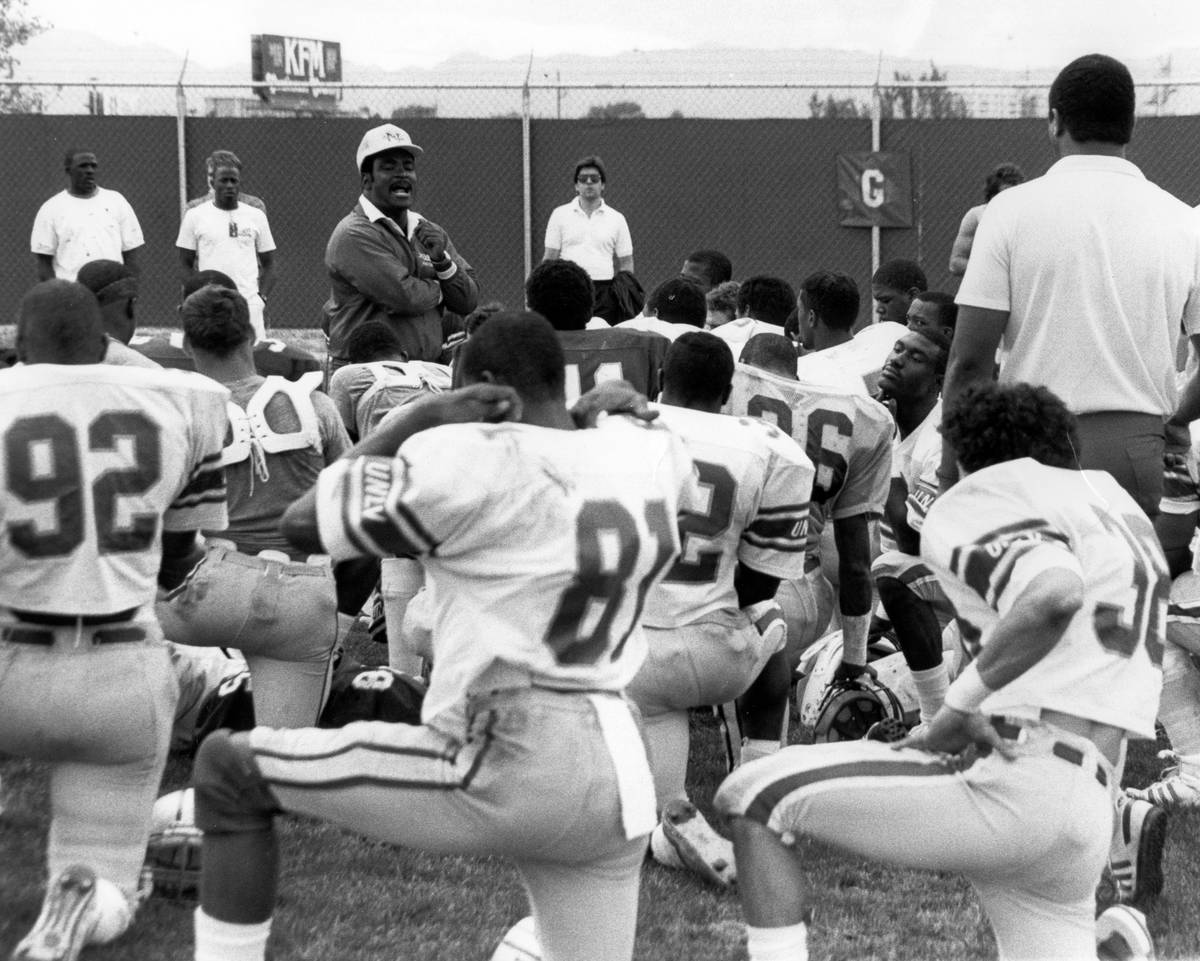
pixel 952 732
pixel 611 397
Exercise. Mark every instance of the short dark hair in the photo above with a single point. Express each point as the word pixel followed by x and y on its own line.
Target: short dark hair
pixel 679 301
pixel 372 340
pixel 206 278
pixel 947 308
pixel 216 320
pixel 770 352
pixel 520 348
pixel 1095 99
pixel 591 160
pixel 110 280
pixel 717 267
pixel 480 314
pixel 993 423
pixel 72 153
pixel 562 292
pixel 1005 175
pixel 900 275
pixel 221 158
pixel 766 298
pixel 59 322
pixel 698 367
pixel 832 296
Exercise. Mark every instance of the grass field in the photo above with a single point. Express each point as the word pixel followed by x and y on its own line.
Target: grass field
pixel 343 897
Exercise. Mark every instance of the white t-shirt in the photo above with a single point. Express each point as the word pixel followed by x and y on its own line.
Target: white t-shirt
pixel 992 534
pixel 741 329
pixel 756 482
pixel 229 241
pixel 97 462
pixel 538 545
pixel 1097 268
pixel 78 230
pixel 590 241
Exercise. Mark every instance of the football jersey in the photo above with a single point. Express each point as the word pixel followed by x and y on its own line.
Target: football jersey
pixel 992 534
pixel 864 354
pixel 594 356
pixel 539 545
pixel 915 460
pixel 96 462
pixel 755 483
pixel 847 436
pixel 364 393
pixel 271 357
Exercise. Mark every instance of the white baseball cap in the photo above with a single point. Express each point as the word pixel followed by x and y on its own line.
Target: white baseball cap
pixel 384 137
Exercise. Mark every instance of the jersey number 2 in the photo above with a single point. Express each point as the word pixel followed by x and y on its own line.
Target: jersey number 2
pixel 43 464
pixel 606 555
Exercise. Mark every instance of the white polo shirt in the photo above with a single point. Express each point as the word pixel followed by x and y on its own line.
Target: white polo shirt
pixel 590 241
pixel 1098 268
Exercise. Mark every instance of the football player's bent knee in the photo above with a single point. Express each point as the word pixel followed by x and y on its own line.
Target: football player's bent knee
pixel 231 795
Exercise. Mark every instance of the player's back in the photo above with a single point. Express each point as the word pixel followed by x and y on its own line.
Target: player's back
pixel 540 544
pixel 596 356
pixel 365 393
pixel 991 535
pixel 863 355
pixel 97 461
pixel 846 435
pixel 757 482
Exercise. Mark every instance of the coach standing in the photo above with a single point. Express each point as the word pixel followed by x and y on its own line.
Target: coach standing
pixel 593 235
pixel 387 262
pixel 1085 276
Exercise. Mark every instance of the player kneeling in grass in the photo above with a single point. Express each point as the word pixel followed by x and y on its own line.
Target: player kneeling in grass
pixel 254 591
pixel 1060 582
pixel 712 625
pixel 109 471
pixel 539 543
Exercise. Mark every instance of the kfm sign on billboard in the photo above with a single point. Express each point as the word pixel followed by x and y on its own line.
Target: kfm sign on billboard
pixel 274 58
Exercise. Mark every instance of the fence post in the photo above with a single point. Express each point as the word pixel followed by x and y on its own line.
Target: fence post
pixel 876 140
pixel 181 142
pixel 526 179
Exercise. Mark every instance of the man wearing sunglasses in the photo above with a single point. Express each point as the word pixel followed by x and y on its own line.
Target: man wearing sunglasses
pixel 592 234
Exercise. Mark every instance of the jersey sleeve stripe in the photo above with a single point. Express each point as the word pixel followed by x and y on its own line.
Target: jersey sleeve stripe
pixel 986 565
pixel 205 486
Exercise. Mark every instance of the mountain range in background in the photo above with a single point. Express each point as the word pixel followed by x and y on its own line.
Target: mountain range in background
pixel 67 56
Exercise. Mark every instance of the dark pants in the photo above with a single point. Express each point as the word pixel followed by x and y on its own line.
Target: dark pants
pixel 1130 447
pixel 605 303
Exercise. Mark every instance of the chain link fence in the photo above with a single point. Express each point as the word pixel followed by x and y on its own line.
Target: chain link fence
pixel 747 169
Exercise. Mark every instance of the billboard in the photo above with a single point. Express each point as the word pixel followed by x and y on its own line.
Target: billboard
pixel 275 57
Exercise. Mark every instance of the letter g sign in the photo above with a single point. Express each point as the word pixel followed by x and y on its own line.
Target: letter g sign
pixel 872 182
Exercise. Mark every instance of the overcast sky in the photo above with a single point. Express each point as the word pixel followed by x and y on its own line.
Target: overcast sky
pixel 1010 34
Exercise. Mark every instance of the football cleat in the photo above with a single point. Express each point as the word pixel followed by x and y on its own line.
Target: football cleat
pixel 1177 787
pixel 68 918
pixel 1135 857
pixel 520 943
pixel 699 847
pixel 1122 935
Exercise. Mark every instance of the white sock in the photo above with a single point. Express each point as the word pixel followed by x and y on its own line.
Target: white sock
pixel 931 687
pixel 225 941
pixel 778 944
pixel 1179 708
pixel 754 748
pixel 114 912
